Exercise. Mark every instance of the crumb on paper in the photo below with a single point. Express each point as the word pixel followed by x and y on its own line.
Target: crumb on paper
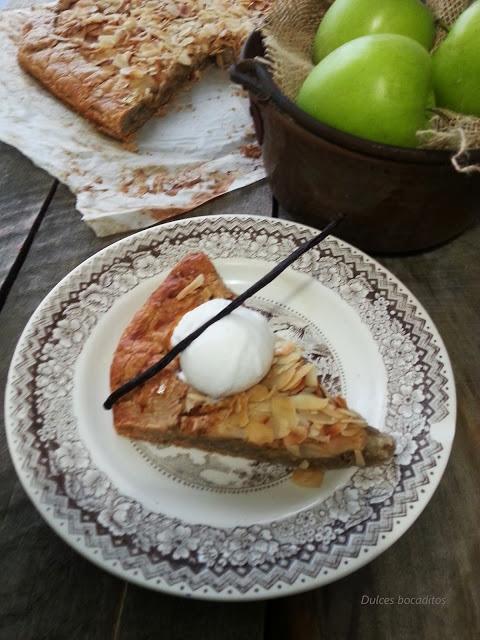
pixel 162 110
pixel 155 180
pixel 220 185
pixel 168 108
pixel 251 150
pixel 240 92
pixel 167 213
pixel 129 145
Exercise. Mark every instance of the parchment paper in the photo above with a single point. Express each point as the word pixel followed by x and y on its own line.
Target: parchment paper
pixel 203 147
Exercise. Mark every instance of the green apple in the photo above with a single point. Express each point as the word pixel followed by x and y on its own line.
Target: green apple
pixel 456 65
pixel 346 20
pixel 376 87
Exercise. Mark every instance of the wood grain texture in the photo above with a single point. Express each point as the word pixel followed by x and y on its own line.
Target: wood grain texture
pixel 440 554
pixel 23 190
pixel 47 590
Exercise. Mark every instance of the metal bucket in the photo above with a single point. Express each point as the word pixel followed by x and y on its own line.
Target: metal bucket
pixel 397 200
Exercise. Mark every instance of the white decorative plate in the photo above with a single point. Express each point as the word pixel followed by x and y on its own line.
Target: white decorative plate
pixel 211 526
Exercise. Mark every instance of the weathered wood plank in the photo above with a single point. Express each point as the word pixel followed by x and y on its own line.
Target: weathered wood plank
pixel 23 190
pixel 47 590
pixel 439 554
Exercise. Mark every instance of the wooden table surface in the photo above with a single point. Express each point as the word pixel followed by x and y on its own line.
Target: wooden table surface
pixel 48 591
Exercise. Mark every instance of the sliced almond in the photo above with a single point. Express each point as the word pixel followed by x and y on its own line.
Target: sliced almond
pixel 187 40
pixel 350 430
pixel 331 410
pixel 282 381
pixel 148 50
pixel 284 347
pixel 312 478
pixel 359 459
pixel 260 409
pixel 260 433
pixel 236 419
pixel 130 23
pixel 258 393
pixel 289 358
pixel 309 402
pixel 278 369
pixel 313 431
pixel 185 59
pixel 227 430
pixel 296 436
pixel 347 412
pixel 299 433
pixel 298 388
pixel 107 41
pixel 320 419
pixel 284 416
pixel 299 376
pixel 192 286
pixel 311 379
pixel 121 59
pixel 241 410
pixel 193 399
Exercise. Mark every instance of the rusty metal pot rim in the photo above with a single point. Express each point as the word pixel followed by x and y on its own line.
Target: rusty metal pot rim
pixel 256 77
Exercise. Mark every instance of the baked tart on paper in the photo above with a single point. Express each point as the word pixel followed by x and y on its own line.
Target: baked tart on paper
pixel 116 61
pixel 287 418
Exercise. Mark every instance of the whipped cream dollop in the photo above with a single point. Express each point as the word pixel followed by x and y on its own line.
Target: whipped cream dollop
pixel 230 356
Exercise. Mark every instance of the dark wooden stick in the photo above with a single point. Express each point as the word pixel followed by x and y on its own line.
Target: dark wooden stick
pixel 236 302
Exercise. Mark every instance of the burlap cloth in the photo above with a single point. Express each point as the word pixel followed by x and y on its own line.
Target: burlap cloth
pixel 289 34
